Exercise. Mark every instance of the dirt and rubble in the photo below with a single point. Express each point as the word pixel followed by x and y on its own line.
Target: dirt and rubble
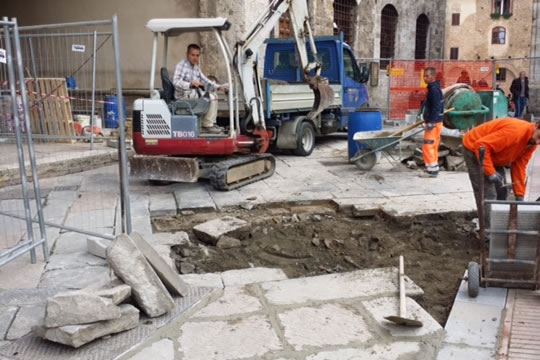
pixel 315 239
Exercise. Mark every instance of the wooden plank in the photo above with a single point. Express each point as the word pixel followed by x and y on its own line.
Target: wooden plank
pixel 48 110
pixel 506 333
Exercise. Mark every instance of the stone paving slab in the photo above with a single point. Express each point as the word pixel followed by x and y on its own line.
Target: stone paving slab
pixel 193 196
pixel 20 297
pixel 389 306
pixel 160 350
pixel 362 283
pixel 393 351
pixel 70 242
pixel 21 273
pixel 477 325
pixel 234 301
pixel 203 280
pixel 6 317
pixel 250 276
pixel 324 326
pixel 75 278
pixel 454 352
pixel 73 260
pixel 162 205
pixel 248 337
pixel 27 316
pixel 90 220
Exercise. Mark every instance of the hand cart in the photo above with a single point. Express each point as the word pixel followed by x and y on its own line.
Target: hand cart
pixel 512 256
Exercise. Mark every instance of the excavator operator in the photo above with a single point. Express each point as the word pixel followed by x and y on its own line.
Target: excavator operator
pixel 188 77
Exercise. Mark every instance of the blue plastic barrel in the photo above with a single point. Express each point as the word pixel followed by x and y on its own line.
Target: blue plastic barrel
pixel 71 82
pixel 110 108
pixel 362 120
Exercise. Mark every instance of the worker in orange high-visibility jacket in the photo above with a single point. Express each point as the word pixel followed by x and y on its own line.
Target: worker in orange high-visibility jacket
pixel 506 141
pixel 433 117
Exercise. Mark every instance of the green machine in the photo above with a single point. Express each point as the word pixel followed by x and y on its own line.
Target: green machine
pixel 467 108
pixel 496 102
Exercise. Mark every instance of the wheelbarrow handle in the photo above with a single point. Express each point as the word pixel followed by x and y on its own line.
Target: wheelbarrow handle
pixel 418 123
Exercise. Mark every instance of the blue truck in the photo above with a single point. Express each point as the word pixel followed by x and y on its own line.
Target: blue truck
pixel 288 98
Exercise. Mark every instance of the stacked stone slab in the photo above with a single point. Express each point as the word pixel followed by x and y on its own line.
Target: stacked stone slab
pixel 78 335
pixel 131 266
pixel 78 317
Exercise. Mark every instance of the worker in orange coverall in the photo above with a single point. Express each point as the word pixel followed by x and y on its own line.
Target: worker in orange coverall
pixel 506 141
pixel 433 117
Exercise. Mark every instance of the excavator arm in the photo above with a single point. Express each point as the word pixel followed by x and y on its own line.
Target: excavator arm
pixel 247 51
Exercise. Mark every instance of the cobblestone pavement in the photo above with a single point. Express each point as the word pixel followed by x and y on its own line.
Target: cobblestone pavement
pixel 325 317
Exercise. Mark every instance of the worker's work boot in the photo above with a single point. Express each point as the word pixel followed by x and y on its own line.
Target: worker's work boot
pixel 212 129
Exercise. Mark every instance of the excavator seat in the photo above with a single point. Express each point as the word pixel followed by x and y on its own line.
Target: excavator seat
pixel 198 106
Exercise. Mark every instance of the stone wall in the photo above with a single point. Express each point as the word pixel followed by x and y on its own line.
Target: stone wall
pixel 534 75
pixel 476 26
pixel 367 39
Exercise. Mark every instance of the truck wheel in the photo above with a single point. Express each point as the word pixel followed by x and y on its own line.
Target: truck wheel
pixel 305 139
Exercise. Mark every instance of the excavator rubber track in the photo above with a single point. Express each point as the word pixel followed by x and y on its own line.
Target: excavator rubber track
pixel 234 173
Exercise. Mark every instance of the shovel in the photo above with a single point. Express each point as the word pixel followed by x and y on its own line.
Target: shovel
pixel 402 318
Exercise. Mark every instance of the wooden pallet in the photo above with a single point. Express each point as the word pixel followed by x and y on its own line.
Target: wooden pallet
pixel 52 95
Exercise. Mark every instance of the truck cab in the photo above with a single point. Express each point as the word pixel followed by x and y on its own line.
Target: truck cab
pixel 339 66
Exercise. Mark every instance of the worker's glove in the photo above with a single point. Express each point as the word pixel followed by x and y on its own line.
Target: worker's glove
pixel 496 179
pixel 519 198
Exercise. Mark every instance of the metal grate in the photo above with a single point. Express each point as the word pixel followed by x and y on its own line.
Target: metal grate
pixel 156 125
pixel 422 31
pixel 343 18
pixel 389 20
pixel 30 347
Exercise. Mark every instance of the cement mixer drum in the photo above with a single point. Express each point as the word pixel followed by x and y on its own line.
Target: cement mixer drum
pixel 467 111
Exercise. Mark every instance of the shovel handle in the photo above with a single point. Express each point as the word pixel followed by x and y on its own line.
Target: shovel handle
pixel 418 123
pixel 402 305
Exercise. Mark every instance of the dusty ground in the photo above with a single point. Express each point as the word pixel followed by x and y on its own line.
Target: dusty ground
pixel 314 240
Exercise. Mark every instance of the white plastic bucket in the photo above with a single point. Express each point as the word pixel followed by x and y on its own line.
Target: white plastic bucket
pixel 84 120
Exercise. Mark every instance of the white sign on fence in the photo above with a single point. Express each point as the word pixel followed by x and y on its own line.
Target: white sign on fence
pixel 78 48
pixel 3 58
pixel 484 69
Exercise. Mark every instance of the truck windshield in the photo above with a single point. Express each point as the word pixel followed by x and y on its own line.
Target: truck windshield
pixel 351 68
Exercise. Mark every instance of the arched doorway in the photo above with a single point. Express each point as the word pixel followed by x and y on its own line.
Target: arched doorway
pixel 422 34
pixel 389 21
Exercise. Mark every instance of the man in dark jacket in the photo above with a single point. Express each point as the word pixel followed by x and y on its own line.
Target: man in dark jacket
pixel 433 117
pixel 520 93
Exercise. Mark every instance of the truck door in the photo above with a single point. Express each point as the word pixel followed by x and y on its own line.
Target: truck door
pixel 354 90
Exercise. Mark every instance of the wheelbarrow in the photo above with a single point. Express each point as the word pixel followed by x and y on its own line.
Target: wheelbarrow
pixel 370 143
pixel 512 255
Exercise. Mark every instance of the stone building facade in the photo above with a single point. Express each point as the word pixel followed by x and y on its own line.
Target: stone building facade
pixel 534 74
pixel 491 29
pixel 362 21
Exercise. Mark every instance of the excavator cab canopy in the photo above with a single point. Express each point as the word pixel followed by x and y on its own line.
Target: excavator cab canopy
pixel 175 27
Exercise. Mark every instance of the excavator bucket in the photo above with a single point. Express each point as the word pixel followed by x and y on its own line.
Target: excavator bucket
pixel 324 95
pixel 164 168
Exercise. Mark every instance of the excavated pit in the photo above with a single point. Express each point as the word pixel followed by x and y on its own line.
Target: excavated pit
pixel 314 240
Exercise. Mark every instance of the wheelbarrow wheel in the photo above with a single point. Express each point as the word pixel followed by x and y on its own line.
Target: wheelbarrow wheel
pixel 366 161
pixel 473 279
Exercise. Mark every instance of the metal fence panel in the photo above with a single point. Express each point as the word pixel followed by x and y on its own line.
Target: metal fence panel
pixel 69 72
